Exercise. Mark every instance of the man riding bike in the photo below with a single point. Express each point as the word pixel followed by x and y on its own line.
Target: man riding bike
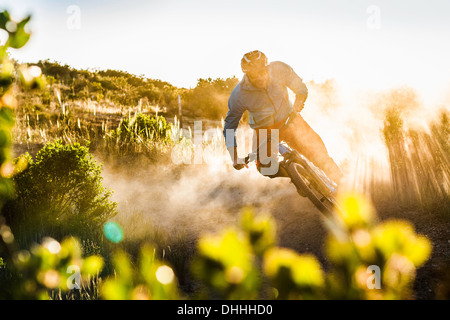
pixel 263 92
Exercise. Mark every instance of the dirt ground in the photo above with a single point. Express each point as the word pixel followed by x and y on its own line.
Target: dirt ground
pixel 192 200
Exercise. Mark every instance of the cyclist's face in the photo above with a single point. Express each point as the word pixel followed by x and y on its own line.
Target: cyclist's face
pixel 259 77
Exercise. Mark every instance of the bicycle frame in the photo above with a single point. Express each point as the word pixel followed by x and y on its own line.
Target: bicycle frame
pixel 310 181
pixel 287 154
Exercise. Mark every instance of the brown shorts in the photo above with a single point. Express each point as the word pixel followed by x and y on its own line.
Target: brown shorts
pixel 301 137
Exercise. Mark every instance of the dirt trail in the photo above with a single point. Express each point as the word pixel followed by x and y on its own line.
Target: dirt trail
pixel 186 201
pixel 199 198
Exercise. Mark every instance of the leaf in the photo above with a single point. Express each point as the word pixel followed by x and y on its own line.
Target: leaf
pixel 357 211
pixel 260 230
pixel 92 265
pixel 4 18
pixel 293 275
pixel 20 37
pixel 114 290
pixel 6 117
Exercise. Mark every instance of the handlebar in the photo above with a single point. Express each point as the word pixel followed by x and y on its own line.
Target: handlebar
pixel 247 159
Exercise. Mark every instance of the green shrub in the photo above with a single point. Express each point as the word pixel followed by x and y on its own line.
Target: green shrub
pixel 60 192
pixel 209 98
pixel 143 127
pixel 142 134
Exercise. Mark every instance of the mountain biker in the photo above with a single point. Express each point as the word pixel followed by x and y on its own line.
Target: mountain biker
pixel 263 93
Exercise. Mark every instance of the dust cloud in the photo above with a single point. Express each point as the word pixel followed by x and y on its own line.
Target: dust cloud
pixel 189 199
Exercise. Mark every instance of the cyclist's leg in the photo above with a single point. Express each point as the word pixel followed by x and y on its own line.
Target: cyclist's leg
pixel 304 139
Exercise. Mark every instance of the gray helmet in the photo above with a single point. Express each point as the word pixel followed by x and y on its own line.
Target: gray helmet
pixel 253 59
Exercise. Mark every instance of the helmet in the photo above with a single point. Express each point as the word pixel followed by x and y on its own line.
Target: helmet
pixel 253 59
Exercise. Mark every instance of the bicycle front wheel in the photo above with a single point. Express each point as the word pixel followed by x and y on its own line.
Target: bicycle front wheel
pixel 304 188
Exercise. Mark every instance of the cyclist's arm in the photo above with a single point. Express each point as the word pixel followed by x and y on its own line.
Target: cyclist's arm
pixel 234 115
pixel 295 83
pixel 299 102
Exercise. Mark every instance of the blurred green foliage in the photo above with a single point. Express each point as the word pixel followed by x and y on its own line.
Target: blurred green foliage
pixel 149 279
pixel 17 37
pixel 27 274
pixel 227 266
pixel 294 276
pixel 225 263
pixel 50 266
pixel 393 246
pixel 260 230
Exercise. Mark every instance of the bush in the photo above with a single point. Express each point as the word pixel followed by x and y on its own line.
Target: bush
pixel 141 133
pixel 143 127
pixel 209 99
pixel 60 192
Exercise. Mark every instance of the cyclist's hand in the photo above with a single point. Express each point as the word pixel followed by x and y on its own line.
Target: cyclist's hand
pixel 238 164
pixel 298 107
pixel 299 104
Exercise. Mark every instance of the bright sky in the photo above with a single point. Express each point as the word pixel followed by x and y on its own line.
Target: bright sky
pixel 363 44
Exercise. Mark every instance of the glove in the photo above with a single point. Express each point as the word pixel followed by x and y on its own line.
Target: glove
pixel 298 107
pixel 299 104
pixel 239 164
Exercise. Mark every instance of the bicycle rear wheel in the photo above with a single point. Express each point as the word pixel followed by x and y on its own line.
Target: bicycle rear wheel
pixel 306 189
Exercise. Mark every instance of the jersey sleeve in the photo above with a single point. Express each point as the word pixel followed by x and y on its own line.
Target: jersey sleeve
pixel 234 115
pixel 290 78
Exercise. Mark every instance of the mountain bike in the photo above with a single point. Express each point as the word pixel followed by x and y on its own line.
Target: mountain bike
pixel 311 182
